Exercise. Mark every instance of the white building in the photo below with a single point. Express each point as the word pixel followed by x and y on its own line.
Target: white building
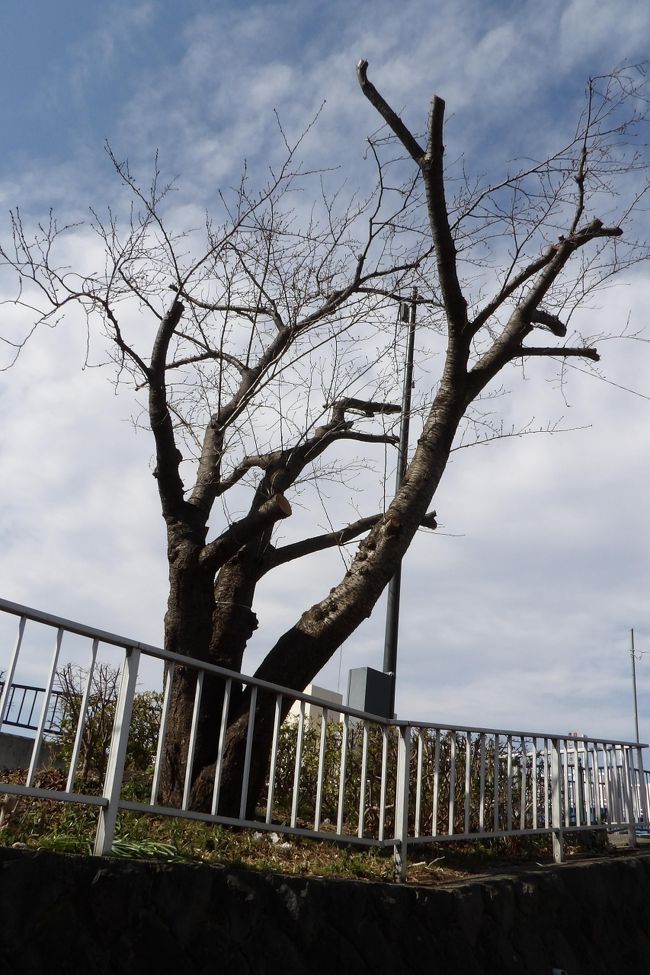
pixel 313 712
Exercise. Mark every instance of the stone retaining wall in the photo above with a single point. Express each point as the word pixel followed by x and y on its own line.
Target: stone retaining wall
pixel 69 914
pixel 16 751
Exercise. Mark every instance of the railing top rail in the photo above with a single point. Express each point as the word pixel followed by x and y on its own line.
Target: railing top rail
pixel 519 733
pixel 38 616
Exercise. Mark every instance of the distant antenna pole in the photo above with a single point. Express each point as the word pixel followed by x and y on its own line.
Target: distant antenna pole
pixel 407 316
pixel 636 706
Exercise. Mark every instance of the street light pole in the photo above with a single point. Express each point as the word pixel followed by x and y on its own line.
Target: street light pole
pixel 407 315
pixel 636 706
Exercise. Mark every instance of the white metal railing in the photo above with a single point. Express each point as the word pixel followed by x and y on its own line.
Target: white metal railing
pixel 361 779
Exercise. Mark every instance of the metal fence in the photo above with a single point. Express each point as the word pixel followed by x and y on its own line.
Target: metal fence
pixel 25 702
pixel 359 779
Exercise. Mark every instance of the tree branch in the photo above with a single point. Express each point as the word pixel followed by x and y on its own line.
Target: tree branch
pixel 561 253
pixel 564 351
pixel 218 552
pixel 318 543
pixel 364 407
pixel 206 356
pixel 551 322
pixel 508 345
pixel 118 338
pixel 508 290
pixel 288 464
pixel 168 457
pixel 360 437
pixel 452 295
pixel 431 165
pixel 391 118
pixel 249 310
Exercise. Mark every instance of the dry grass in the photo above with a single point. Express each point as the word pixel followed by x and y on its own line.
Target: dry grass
pixel 66 827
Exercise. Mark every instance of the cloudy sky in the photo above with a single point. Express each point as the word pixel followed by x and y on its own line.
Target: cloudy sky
pixel 517 612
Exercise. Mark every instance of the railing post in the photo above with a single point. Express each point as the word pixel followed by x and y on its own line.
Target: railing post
pixel 628 798
pixel 117 754
pixel 643 794
pixel 9 676
pixel 556 802
pixel 38 741
pixel 402 801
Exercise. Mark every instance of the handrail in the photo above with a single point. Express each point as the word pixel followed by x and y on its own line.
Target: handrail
pixel 104 636
pixel 375 781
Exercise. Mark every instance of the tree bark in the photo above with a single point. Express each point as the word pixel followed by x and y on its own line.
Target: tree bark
pixel 188 632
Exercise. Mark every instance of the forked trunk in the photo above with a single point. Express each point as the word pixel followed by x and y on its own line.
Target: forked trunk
pixel 302 651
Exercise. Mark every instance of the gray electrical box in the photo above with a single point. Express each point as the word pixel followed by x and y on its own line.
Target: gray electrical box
pixel 369 690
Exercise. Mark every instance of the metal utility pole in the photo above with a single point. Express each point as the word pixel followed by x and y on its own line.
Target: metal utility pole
pixel 636 706
pixel 407 316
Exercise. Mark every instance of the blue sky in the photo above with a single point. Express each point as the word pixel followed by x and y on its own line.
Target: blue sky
pixel 519 611
pixel 67 72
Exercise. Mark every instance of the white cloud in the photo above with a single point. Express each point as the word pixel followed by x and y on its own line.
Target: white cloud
pixel 588 29
pixel 120 26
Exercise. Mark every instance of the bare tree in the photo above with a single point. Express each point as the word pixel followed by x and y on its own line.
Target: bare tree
pixel 263 344
pixel 99 717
